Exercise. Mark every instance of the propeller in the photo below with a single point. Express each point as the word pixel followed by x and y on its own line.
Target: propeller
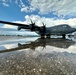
pixel 32 25
pixel 44 27
pixel 42 30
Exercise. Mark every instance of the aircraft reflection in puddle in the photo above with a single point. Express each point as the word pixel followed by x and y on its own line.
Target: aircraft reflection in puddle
pixel 54 42
pixel 39 62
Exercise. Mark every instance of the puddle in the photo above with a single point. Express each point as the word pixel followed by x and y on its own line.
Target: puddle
pixel 35 56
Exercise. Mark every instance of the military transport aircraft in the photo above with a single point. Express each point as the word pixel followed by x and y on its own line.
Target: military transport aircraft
pixel 43 31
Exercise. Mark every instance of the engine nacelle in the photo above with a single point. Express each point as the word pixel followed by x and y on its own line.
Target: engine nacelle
pixel 32 27
pixel 19 28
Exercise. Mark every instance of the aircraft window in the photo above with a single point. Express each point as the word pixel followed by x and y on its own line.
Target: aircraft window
pixel 66 26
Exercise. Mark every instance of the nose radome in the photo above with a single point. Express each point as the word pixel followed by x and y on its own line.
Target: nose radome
pixel 74 29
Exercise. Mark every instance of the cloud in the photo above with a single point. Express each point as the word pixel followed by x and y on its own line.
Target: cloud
pixel 58 7
pixel 8 26
pixel 5 4
pixel 71 22
pixel 50 21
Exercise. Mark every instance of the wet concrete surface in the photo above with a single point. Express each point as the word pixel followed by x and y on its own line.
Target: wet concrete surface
pixel 35 56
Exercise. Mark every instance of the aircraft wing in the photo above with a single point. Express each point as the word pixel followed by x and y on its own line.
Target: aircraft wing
pixel 16 24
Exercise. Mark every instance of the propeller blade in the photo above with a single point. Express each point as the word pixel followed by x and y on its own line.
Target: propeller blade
pixel 44 24
pixel 31 21
pixel 34 23
pixel 44 27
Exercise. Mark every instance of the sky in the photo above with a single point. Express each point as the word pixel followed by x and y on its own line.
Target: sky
pixel 51 12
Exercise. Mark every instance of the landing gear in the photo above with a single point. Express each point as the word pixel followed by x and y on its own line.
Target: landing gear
pixel 45 36
pixel 63 36
pixel 48 36
pixel 42 36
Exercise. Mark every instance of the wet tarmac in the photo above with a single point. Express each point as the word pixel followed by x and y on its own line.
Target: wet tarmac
pixel 36 56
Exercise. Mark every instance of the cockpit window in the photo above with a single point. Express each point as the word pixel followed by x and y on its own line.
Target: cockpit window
pixel 66 26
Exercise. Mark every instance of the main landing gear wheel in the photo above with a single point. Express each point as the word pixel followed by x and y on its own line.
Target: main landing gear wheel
pixel 42 36
pixel 48 36
pixel 63 36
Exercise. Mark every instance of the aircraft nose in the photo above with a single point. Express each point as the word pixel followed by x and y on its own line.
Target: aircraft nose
pixel 74 29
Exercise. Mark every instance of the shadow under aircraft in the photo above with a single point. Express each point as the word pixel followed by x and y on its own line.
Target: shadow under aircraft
pixel 55 42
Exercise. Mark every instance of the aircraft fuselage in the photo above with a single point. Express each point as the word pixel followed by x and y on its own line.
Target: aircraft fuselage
pixel 62 29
